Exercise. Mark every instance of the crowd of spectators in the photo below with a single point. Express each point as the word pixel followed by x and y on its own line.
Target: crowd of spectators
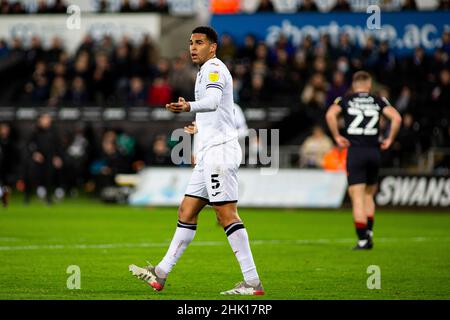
pixel 99 73
pixel 54 162
pixel 305 78
pixel 246 6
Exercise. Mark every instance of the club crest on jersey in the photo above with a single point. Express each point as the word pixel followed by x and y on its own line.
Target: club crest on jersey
pixel 214 76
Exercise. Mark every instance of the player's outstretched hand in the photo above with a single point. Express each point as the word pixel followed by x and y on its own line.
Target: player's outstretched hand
pixel 386 144
pixel 191 129
pixel 180 106
pixel 342 142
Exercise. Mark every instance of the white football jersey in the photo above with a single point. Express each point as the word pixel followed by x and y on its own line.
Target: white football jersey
pixel 214 106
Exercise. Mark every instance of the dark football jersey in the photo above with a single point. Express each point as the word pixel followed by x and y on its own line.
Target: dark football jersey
pixel 362 113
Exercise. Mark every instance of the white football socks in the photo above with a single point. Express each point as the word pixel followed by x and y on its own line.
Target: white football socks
pixel 184 234
pixel 238 239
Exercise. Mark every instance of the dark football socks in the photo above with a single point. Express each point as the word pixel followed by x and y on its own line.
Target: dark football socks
pixel 361 230
pixel 370 223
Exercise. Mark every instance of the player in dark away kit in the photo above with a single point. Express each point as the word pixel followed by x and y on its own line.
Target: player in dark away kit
pixel 362 112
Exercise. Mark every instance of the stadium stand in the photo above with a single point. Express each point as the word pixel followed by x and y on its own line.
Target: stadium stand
pixel 305 78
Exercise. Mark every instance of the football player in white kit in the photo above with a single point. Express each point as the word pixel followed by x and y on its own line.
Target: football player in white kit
pixel 214 178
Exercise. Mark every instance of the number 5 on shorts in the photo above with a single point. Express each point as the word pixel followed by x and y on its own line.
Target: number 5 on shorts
pixel 214 181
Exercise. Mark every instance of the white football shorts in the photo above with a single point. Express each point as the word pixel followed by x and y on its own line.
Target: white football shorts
pixel 214 178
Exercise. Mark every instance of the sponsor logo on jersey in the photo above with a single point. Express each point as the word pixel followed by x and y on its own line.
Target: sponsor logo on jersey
pixel 214 76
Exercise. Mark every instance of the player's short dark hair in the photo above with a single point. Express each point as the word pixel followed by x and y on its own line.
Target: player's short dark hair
pixel 210 33
pixel 361 76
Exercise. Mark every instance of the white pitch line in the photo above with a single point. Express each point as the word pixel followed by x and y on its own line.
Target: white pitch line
pixel 205 243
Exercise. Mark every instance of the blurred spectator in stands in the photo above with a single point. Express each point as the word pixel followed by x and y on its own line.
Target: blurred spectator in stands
pixel 58 92
pixel 159 154
pixel 81 67
pixel 76 158
pixel 265 6
pixel 86 46
pixel 58 70
pixel 125 6
pixel 323 47
pixel 136 94
pixel 43 161
pixel 163 68
pixel 39 91
pixel 182 78
pixel 148 52
pixel 262 53
pixel 444 5
pixel 103 6
pixel 405 144
pixel 404 100
pixel 144 6
pixel 106 46
pixel 59 7
pixel 341 5
pixel 416 68
pixel 247 51
pixel 440 96
pixel 314 148
pixel 445 46
pixel 443 164
pixel 316 86
pixel 409 5
pixel 300 63
pixel 307 48
pixel 42 7
pixel 53 53
pixel 109 163
pixel 282 87
pixel 320 66
pixel 227 49
pixel 160 6
pixel 17 8
pixel 337 88
pixel 4 7
pixel 308 6
pixel 282 44
pixel 125 143
pixel 78 95
pixel 35 52
pixel 122 66
pixel 159 93
pixel 438 62
pixel 40 71
pixel 369 54
pixel 344 48
pixel 256 93
pixel 4 50
pixel 9 156
pixel 385 64
pixel 102 79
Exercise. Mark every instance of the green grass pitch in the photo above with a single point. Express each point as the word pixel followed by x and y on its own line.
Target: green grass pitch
pixel 300 254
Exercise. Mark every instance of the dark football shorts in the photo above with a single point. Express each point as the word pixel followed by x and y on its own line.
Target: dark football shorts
pixel 363 164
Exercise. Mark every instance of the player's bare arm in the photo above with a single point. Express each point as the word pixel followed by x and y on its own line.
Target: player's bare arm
pixel 332 121
pixel 396 120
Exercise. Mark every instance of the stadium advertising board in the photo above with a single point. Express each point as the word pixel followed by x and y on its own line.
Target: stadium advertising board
pixel 289 188
pixel 135 26
pixel 414 191
pixel 403 30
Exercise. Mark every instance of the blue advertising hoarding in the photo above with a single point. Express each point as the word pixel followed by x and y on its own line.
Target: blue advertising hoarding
pixel 403 30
